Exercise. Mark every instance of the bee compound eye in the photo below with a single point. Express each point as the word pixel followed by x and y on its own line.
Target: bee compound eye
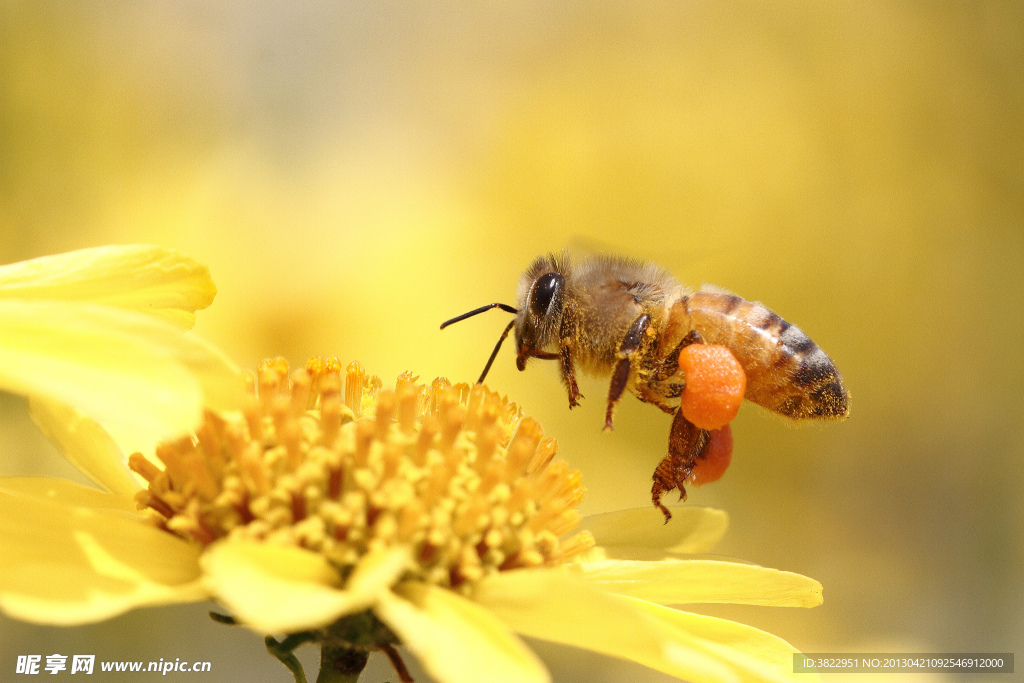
pixel 544 291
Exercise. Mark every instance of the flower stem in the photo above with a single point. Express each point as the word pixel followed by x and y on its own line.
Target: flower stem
pixel 283 651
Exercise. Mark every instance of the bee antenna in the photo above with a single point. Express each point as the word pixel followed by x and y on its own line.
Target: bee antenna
pixel 477 311
pixel 501 339
pixel 494 353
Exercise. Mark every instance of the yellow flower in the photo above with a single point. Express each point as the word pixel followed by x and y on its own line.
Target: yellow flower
pixel 334 511
pixel 100 329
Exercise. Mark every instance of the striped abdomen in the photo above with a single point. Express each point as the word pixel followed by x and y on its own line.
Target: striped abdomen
pixel 786 371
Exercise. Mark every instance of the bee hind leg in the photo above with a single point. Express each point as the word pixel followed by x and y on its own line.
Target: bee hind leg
pixel 620 376
pixel 669 365
pixel 686 442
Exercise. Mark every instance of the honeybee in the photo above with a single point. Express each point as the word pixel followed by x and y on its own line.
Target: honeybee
pixel 628 319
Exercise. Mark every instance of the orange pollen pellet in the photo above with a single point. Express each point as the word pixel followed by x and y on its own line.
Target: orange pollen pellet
pixel 712 463
pixel 715 384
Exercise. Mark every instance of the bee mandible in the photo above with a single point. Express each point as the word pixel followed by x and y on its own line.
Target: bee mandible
pixel 630 320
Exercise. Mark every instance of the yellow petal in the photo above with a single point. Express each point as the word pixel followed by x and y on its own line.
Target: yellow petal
pixel 150 279
pixel 278 589
pixel 84 443
pixel 455 640
pixel 550 605
pixel 66 563
pixel 378 570
pixel 629 533
pixel 676 582
pixel 755 654
pixel 141 378
pixel 68 493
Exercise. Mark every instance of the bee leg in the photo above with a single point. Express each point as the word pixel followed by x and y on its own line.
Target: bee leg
pixel 620 376
pixel 670 363
pixel 569 377
pixel 692 337
pixel 655 400
pixel 686 442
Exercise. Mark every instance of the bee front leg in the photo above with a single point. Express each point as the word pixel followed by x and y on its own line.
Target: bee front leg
pixel 569 377
pixel 686 442
pixel 620 376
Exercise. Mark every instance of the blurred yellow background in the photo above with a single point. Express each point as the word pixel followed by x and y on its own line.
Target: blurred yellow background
pixel 355 173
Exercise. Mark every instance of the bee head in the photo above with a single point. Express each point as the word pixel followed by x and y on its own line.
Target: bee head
pixel 538 317
pixel 541 291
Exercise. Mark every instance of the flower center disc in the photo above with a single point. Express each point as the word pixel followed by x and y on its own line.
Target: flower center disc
pixel 456 473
